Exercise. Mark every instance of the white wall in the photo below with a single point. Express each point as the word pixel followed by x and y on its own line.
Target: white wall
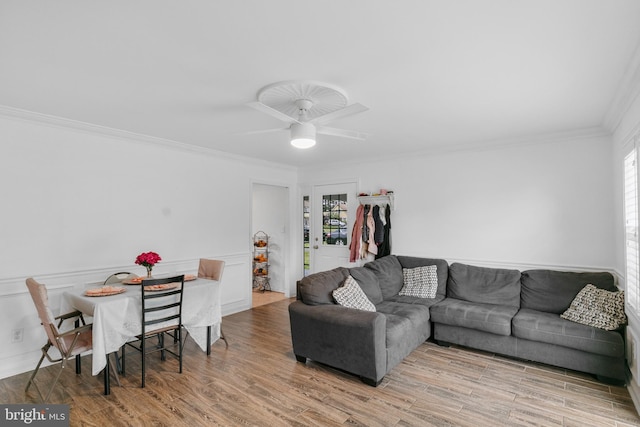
pixel 544 204
pixel 79 203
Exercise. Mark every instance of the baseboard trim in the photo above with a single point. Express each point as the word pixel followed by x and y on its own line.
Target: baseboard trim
pixel 634 392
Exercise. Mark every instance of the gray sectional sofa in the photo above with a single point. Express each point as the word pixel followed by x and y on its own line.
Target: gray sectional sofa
pixel 502 311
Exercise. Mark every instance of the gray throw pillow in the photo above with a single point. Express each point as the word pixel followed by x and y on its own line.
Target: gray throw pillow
pixel 598 308
pixel 352 296
pixel 441 264
pixel 420 282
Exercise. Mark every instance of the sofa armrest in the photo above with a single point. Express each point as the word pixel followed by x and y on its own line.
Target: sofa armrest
pixel 344 338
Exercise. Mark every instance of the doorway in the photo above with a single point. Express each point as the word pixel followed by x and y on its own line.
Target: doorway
pixel 332 217
pixel 270 207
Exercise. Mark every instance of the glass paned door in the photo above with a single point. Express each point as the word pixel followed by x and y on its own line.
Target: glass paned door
pixel 306 230
pixel 332 218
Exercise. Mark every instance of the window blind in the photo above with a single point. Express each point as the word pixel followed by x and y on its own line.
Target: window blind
pixel 632 290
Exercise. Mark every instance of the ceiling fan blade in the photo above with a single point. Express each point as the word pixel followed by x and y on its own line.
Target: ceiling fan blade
pixel 352 134
pixel 349 110
pixel 272 112
pixel 255 132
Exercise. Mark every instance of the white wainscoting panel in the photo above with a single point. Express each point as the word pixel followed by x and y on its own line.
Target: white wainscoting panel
pixel 19 315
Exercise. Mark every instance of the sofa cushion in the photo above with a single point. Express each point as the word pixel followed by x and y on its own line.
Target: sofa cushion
pixel 427 302
pixel 389 273
pixel 480 316
pixel 316 288
pixel 442 267
pixel 407 324
pixel 350 295
pixel 552 291
pixel 420 282
pixel 368 281
pixel 598 308
pixel 550 328
pixel 485 285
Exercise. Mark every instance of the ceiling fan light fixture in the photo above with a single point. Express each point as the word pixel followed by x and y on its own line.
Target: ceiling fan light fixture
pixel 307 106
pixel 303 135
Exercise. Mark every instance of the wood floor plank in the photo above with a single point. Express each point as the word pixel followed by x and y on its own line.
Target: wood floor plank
pixel 526 417
pixel 258 382
pixel 323 419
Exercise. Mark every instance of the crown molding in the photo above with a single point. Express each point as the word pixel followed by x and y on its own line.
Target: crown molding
pixel 487 145
pixel 90 128
pixel 69 124
pixel 545 138
pixel 627 92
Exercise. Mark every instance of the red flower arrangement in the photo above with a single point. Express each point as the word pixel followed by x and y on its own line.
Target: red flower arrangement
pixel 148 260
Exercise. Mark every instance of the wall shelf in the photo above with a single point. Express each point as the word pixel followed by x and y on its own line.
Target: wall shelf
pixel 382 199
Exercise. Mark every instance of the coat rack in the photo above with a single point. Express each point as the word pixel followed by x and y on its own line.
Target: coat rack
pixel 381 199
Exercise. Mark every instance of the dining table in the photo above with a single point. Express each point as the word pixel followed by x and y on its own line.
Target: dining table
pixel 117 318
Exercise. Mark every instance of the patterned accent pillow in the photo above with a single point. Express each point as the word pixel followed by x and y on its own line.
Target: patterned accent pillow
pixel 351 295
pixel 421 282
pixel 597 307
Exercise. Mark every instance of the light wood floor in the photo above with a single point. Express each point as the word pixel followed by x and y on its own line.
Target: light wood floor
pixel 265 297
pixel 257 381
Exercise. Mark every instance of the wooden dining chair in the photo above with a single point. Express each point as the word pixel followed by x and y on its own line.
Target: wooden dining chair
pixel 69 344
pixel 161 318
pixel 212 269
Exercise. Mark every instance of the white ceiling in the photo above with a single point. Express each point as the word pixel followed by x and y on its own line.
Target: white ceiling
pixel 435 73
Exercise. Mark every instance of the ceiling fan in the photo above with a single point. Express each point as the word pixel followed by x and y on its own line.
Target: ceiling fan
pixel 306 106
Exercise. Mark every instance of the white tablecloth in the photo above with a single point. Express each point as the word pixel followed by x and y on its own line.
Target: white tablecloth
pixel 117 318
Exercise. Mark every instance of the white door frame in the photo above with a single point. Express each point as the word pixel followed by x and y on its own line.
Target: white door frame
pixel 287 235
pixel 316 210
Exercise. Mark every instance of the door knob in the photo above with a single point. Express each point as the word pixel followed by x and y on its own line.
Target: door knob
pixel 315 246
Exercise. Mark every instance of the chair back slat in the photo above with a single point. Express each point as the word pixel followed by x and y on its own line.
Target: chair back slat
pixel 161 306
pixel 161 320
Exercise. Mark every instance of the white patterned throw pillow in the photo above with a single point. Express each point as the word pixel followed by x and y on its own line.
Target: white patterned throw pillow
pixel 597 307
pixel 421 282
pixel 351 295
